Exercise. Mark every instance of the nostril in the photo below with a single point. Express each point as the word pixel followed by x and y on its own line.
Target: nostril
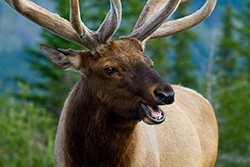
pixel 164 97
pixel 159 94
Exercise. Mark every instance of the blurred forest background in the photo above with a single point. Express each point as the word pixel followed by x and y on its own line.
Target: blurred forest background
pixel 212 58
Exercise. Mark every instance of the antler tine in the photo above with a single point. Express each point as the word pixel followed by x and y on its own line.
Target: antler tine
pixel 109 26
pixel 154 22
pixel 182 24
pixel 75 20
pixel 112 21
pixel 151 7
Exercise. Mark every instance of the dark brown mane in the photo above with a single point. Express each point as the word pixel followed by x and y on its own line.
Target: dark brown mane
pixel 88 133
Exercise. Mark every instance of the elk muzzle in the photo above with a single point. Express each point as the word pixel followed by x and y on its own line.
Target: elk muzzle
pixel 158 92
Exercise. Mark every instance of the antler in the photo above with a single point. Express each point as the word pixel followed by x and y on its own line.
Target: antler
pixel 142 28
pixel 75 31
pixel 149 19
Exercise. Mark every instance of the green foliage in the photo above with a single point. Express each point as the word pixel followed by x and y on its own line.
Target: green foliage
pixel 27 132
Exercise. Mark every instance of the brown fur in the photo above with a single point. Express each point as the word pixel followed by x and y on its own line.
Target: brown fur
pixel 100 126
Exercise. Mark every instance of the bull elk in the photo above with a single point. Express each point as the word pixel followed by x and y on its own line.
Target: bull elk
pixel 107 118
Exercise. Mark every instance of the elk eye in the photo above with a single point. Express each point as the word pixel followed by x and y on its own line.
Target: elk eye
pixel 110 70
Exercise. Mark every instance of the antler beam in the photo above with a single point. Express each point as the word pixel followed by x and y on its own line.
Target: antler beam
pixel 75 31
pixel 51 21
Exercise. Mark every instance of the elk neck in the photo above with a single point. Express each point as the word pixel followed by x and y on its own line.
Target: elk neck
pixel 93 138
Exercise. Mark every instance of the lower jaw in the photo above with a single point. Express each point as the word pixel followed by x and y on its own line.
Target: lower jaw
pixel 148 119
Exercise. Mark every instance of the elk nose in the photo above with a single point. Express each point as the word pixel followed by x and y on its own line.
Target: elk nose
pixel 164 97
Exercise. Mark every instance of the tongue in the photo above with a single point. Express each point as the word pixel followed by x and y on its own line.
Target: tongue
pixel 156 113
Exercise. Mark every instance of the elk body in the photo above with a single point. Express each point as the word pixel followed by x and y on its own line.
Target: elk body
pixel 110 117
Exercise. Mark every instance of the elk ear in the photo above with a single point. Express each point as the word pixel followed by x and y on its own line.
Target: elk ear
pixel 64 59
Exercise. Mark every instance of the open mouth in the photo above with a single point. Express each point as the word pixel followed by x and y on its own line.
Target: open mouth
pixel 152 114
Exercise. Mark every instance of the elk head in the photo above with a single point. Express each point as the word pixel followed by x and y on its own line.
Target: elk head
pixel 118 73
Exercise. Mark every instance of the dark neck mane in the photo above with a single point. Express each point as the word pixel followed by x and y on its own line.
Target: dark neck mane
pixel 92 135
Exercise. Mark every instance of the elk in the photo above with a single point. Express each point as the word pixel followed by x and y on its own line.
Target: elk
pixel 121 112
